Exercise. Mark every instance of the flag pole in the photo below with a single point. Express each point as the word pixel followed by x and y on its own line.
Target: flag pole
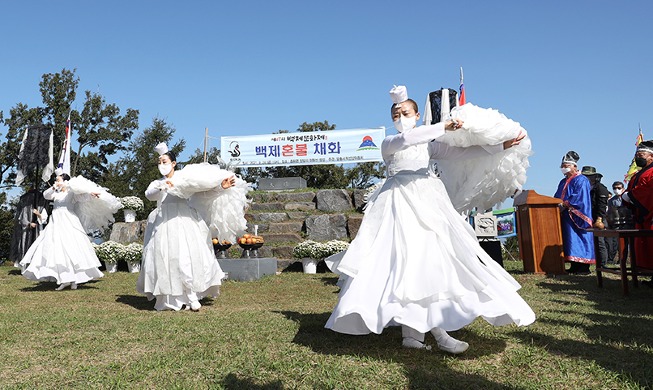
pixel 206 141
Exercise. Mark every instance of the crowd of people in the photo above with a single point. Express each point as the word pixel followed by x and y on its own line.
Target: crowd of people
pixel 415 262
pixel 587 203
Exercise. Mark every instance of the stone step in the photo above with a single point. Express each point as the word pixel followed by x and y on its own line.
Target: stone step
pixel 267 206
pixel 286 227
pixel 282 237
pixel 300 206
pixel 277 206
pixel 267 217
pixel 284 197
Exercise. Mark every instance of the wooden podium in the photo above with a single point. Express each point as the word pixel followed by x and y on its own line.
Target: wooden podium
pixel 539 233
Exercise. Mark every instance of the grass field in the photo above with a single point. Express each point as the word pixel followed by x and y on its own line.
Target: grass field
pixel 269 334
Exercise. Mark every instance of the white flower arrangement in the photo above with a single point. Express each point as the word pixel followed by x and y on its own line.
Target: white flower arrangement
pixel 132 253
pixel 318 250
pixel 132 203
pixel 111 252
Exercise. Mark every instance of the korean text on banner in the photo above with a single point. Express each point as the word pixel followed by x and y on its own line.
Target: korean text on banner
pixel 303 148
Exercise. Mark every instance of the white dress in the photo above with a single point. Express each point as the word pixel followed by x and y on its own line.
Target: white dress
pixel 179 264
pixel 63 251
pixel 415 260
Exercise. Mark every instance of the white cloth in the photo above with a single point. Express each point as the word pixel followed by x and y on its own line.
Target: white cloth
pixel 487 180
pixel 415 260
pixel 94 213
pixel 62 252
pixel 179 265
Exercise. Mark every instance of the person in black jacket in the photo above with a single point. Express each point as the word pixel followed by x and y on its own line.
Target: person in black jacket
pixel 599 195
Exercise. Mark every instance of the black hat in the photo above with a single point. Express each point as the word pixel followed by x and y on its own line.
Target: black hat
pixel 589 170
pixel 571 158
pixel 645 146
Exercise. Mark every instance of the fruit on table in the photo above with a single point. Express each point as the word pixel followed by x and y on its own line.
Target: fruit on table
pixel 249 239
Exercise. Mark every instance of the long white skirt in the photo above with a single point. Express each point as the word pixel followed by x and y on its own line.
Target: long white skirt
pixel 179 265
pixel 416 262
pixel 62 252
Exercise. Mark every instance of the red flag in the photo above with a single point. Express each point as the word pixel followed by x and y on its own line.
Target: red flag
pixel 461 98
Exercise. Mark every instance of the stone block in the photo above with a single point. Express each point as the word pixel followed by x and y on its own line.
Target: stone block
pixel 333 200
pixel 326 227
pixel 246 270
pixel 353 224
pixel 128 232
pixel 281 183
pixel 358 197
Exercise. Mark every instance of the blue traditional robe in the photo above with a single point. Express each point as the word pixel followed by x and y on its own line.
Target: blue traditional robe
pixel 576 216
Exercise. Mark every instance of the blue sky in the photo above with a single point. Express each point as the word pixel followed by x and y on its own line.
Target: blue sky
pixel 576 74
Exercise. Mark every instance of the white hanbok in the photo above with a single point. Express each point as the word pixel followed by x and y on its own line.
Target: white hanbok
pixel 179 264
pixel 63 251
pixel 415 260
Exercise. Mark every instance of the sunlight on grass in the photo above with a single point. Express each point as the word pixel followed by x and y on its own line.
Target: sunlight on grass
pixel 270 334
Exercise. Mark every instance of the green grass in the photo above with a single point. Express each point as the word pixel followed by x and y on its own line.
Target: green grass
pixel 270 334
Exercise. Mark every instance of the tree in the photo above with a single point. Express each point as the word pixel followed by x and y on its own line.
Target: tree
pixel 137 168
pixel 100 129
pixel 101 126
pixel 362 175
pixel 6 227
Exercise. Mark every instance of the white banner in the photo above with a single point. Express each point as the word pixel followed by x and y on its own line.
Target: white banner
pixel 303 148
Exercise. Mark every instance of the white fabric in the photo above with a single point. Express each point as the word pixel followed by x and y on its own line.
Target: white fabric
pixel 398 94
pixel 445 108
pixel 179 265
pixel 161 148
pixel 489 179
pixel 94 213
pixel 62 252
pixel 415 260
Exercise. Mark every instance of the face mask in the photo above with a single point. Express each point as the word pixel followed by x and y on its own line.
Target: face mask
pixel 640 162
pixel 405 123
pixel 165 169
pixel 619 192
pixel 565 170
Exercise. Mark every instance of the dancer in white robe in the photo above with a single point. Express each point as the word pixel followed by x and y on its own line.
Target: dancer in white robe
pixel 416 261
pixel 63 251
pixel 194 204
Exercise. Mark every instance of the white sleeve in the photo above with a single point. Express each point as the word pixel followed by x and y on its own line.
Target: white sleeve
pixel 155 191
pixel 49 193
pixel 414 136
pixel 442 151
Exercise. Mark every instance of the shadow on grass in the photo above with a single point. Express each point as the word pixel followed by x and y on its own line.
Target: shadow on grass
pixel 51 286
pixel 615 320
pixel 138 302
pixel 14 272
pixel 231 381
pixel 425 369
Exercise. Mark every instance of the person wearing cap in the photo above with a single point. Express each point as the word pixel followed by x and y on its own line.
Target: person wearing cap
pixel 415 260
pixel 639 197
pixel 576 216
pixel 599 195
pixel 619 217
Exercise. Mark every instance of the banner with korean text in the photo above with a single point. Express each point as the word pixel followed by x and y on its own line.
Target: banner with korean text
pixel 303 148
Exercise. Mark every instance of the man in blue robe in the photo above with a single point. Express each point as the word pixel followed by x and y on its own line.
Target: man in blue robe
pixel 576 216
